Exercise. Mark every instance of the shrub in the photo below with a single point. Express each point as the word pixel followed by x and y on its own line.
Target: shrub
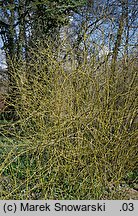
pixel 76 134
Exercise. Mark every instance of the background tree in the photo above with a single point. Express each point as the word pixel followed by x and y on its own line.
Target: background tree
pixel 106 23
pixel 23 23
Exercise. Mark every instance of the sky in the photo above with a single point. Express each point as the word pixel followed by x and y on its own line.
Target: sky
pixel 2 59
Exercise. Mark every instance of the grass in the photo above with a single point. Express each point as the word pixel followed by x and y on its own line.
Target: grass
pixel 76 133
